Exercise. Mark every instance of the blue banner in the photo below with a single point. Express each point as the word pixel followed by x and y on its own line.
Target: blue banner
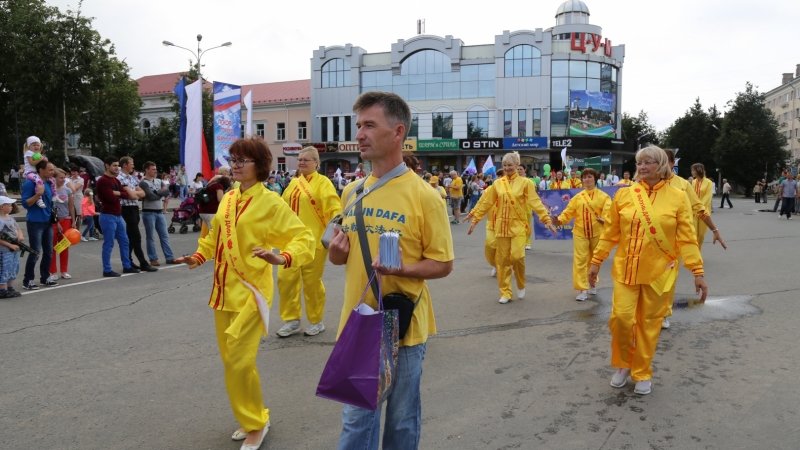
pixel 227 120
pixel 180 92
pixel 555 201
pixel 525 143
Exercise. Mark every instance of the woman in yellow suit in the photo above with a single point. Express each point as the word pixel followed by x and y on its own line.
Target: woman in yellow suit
pixel 703 188
pixel 313 198
pixel 512 197
pixel 590 209
pixel 559 182
pixel 651 224
pixel 250 222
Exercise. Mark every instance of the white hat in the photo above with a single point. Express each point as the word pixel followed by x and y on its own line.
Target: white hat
pixel 6 201
pixel 33 139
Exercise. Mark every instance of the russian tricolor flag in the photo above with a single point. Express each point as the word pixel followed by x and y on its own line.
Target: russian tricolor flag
pixel 195 155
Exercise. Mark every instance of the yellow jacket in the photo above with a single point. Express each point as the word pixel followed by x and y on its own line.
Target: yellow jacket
pixel 586 223
pixel 698 208
pixel 638 260
pixel 259 218
pixel 556 184
pixel 702 187
pixel 512 197
pixel 575 183
pixel 316 210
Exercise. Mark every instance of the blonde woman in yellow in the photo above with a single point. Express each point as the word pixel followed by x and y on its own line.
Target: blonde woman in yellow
pixel 651 224
pixel 313 198
pixel 590 209
pixel 512 197
pixel 250 223
pixel 704 190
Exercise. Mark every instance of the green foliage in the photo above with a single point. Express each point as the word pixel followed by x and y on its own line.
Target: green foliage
pixel 638 130
pixel 749 143
pixel 694 134
pixel 159 146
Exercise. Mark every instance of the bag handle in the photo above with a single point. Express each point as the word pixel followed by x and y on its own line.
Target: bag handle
pixel 374 277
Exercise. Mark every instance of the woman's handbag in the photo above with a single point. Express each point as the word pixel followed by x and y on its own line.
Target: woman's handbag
pixel 361 367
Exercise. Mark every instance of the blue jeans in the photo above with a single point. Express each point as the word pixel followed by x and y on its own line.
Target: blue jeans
pixel 89 230
pixel 40 236
pixel 114 227
pixel 361 427
pixel 155 223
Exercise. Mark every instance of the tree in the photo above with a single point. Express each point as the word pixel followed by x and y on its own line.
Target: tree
pixel 636 131
pixel 694 135
pixel 159 146
pixel 749 146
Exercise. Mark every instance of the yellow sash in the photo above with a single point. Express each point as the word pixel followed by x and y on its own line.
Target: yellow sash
pixel 230 206
pixel 585 197
pixel 306 188
pixel 656 235
pixel 517 204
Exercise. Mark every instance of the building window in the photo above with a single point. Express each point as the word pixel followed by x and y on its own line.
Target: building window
pixel 537 122
pixel 442 125
pixel 348 128
pixel 260 130
pixel 335 129
pixel 414 130
pixel 523 61
pixel 522 119
pixel 507 117
pixel 281 134
pixel 241 130
pixel 477 124
pixel 281 164
pixel 425 62
pixel 301 130
pixel 323 127
pixel 336 73
pixel 146 127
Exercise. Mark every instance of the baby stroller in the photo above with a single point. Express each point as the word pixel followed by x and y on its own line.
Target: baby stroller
pixel 187 213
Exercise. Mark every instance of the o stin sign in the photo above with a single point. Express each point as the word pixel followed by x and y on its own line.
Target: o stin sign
pixel 582 41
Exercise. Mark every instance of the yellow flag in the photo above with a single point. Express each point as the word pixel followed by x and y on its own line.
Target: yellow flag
pixel 62 245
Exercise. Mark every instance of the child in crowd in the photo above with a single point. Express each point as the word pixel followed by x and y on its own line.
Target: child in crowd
pixel 88 210
pixel 34 152
pixel 9 252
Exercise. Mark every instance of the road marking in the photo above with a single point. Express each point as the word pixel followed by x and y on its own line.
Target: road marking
pixel 47 289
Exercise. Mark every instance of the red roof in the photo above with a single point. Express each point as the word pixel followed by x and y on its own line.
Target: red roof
pixel 263 93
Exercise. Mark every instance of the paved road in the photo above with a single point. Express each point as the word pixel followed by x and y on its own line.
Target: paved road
pixel 131 363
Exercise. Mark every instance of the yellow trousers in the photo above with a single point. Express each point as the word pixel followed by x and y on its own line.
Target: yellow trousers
pixel 310 277
pixel 529 234
pixel 635 324
pixel 583 249
pixel 701 228
pixel 490 248
pixel 510 255
pixel 241 375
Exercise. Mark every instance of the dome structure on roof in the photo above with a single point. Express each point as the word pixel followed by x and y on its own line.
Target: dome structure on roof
pixel 572 12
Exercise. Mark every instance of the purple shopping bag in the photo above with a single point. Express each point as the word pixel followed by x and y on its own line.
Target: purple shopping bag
pixel 361 366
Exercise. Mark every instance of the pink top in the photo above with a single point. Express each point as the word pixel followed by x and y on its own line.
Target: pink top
pixel 87 208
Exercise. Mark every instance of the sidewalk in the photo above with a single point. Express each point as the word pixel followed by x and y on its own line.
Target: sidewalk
pixel 20 215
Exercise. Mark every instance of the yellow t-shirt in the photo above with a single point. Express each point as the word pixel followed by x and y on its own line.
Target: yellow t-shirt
pixel 457 188
pixel 410 207
pixel 316 210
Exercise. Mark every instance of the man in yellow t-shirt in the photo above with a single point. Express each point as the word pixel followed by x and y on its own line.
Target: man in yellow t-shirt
pixel 406 205
pixel 456 196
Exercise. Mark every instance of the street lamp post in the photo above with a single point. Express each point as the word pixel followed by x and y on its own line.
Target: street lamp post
pixel 197 54
pixel 639 140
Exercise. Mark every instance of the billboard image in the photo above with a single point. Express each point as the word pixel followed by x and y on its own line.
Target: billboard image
pixel 592 113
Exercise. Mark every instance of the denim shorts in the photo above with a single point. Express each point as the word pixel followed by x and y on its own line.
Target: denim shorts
pixel 9 266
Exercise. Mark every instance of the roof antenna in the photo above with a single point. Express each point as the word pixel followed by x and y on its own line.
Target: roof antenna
pixel 420 26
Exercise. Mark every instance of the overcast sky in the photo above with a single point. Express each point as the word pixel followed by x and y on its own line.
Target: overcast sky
pixel 676 50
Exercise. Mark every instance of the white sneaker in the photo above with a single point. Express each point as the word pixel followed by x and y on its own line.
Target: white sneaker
pixel 527 246
pixel 65 275
pixel 643 387
pixel 52 278
pixel 93 238
pixel 83 239
pixel 521 293
pixel 665 324
pixel 593 291
pixel 493 272
pixel 289 328
pixel 503 300
pixel 582 296
pixel 620 378
pixel 314 329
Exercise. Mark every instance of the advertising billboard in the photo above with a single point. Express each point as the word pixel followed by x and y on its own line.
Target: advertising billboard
pixel 592 113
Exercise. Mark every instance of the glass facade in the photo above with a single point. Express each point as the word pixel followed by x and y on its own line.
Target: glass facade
pixel 477 124
pixel 336 73
pixel 577 75
pixel 523 61
pixel 442 125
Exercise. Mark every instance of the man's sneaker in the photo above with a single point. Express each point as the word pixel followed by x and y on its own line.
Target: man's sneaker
pixel 289 328
pixel 620 378
pixel 314 329
pixel 65 275
pixel 49 282
pixel 665 324
pixel 503 300
pixel 172 261
pixel 83 239
pixel 521 293
pixel 131 270
pixel 582 296
pixel 643 387
pixel 593 291
pixel 29 285
pixel 12 293
pixel 154 263
pixel 148 268
pixel 493 272
pixel 111 274
pixel 53 277
pixel 92 238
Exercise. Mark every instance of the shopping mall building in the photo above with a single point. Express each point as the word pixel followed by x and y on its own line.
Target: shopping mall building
pixel 533 91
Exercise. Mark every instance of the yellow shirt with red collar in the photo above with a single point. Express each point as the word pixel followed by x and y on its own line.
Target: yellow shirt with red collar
pixel 637 259
pixel 703 189
pixel 586 207
pixel 624 182
pixel 259 218
pixel 575 183
pixel 680 183
pixel 559 184
pixel 315 202
pixel 511 197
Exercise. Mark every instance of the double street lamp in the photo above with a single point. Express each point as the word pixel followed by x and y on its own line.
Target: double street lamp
pixel 197 54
